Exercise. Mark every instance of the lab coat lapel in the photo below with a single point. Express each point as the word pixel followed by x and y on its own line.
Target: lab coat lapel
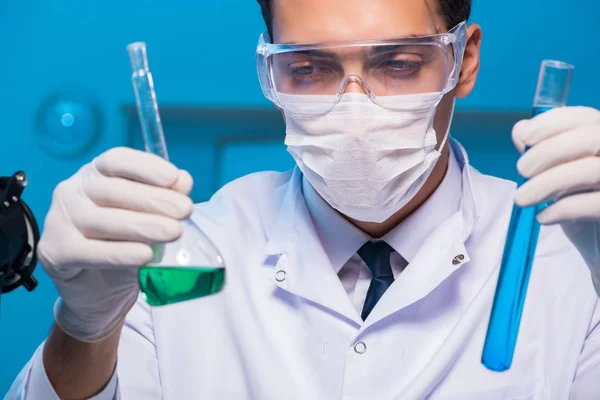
pixel 303 268
pixel 477 286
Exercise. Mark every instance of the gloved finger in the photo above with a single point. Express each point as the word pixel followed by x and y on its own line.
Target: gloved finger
pixel 559 149
pixel 67 258
pixel 572 177
pixel 184 183
pixel 105 254
pixel 118 224
pixel 575 208
pixel 136 165
pixel 532 131
pixel 125 194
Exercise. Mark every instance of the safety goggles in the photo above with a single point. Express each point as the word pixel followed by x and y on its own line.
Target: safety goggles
pixel 391 67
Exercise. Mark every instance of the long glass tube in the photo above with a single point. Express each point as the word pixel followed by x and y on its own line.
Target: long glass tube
pixel 552 91
pixel 191 267
pixel 147 106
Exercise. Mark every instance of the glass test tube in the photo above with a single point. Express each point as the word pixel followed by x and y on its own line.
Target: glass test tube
pixel 552 91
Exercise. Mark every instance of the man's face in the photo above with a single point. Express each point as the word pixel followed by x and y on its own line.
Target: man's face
pixel 305 21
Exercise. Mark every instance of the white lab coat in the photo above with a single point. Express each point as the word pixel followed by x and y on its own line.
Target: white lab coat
pixel 266 338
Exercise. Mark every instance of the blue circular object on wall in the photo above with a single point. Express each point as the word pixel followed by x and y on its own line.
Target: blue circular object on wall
pixel 68 123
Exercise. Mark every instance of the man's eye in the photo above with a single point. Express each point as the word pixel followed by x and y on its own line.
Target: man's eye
pixel 402 65
pixel 303 70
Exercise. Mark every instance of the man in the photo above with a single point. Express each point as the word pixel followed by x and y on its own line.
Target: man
pixel 369 271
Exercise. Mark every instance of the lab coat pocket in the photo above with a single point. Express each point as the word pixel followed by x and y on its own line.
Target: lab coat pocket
pixel 531 391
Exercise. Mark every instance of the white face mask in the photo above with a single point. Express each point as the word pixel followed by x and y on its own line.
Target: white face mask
pixel 365 160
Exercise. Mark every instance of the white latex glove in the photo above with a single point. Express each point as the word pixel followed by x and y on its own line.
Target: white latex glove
pixel 563 164
pixel 97 231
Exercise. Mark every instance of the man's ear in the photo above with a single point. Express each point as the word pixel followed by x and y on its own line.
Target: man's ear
pixel 471 62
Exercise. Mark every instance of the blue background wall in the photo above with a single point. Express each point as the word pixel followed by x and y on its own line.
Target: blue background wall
pixel 217 122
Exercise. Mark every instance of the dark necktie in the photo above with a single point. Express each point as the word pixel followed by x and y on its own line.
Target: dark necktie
pixel 377 257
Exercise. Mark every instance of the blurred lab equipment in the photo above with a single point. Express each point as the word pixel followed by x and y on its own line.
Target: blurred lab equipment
pixel 19 236
pixel 552 91
pixel 191 267
pixel 69 122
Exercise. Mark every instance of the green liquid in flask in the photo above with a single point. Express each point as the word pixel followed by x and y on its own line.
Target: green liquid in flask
pixel 169 285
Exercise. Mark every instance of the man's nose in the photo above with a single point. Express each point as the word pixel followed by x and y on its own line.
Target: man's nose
pixel 354 84
pixel 355 87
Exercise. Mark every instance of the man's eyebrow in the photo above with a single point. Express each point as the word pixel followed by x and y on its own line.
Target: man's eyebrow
pixel 378 50
pixel 318 53
pixel 375 51
pixel 407 36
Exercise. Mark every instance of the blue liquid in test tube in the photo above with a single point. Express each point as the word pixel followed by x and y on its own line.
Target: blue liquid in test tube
pixel 552 91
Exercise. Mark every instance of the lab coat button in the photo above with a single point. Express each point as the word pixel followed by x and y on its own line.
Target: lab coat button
pixel 360 347
pixel 458 259
pixel 280 276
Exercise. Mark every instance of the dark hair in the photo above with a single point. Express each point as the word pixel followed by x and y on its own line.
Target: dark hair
pixel 453 11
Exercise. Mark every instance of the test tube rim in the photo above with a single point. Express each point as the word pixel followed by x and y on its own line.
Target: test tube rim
pixel 557 64
pixel 136 46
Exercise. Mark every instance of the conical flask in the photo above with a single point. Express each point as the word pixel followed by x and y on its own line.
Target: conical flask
pixel 190 267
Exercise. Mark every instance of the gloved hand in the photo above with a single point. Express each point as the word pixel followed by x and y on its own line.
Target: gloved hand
pixel 563 164
pixel 97 234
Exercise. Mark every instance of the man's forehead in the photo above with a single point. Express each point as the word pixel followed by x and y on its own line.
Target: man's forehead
pixel 302 21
